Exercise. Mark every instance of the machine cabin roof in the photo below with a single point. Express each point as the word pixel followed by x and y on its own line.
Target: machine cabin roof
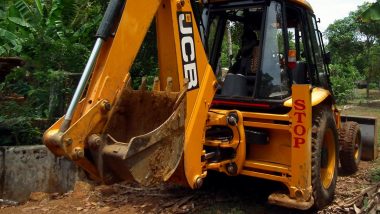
pixel 302 3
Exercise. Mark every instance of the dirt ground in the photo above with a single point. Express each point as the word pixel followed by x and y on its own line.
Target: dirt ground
pixel 241 195
pixel 357 193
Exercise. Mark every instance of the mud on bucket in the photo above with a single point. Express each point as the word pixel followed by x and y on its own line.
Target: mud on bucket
pixel 144 137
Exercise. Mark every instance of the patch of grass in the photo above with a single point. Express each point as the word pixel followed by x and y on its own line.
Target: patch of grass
pixel 227 208
pixel 246 207
pixel 375 175
pixel 375 172
pixel 361 94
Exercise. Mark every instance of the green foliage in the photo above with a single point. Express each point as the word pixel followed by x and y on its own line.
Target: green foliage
pixel 68 21
pixel 236 30
pixel 225 61
pixel 344 42
pixel 15 83
pixel 375 176
pixel 146 63
pixel 375 173
pixel 54 37
pixel 16 129
pixel 372 13
pixel 343 79
pixel 373 86
pixel 355 46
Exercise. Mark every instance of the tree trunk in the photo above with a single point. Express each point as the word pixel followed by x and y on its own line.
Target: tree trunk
pixel 368 44
pixel 229 36
pixel 55 99
pixel 367 88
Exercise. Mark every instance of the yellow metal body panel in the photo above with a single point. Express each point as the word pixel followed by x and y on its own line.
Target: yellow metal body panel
pixel 303 3
pixel 265 176
pixel 167 49
pixel 277 151
pixel 54 129
pixel 279 136
pixel 264 166
pixel 199 100
pixel 301 142
pixel 286 157
pixel 113 75
pixel 76 135
pixel 195 129
pixel 318 95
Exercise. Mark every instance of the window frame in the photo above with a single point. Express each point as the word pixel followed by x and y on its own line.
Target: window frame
pixel 314 32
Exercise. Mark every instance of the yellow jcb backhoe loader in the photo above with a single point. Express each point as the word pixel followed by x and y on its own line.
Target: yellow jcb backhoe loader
pixel 243 89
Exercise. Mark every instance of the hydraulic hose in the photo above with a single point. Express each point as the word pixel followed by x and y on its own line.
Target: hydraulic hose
pixel 110 17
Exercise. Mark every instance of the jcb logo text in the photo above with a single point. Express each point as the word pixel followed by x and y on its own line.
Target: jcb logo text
pixel 188 49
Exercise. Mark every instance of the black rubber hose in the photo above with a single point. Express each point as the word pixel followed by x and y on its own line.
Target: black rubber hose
pixel 111 15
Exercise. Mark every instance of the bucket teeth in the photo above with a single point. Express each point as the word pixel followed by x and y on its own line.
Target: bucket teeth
pixel 169 84
pixel 128 85
pixel 156 84
pixel 142 86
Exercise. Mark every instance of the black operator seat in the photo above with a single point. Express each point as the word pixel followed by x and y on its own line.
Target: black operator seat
pixel 241 77
pixel 244 58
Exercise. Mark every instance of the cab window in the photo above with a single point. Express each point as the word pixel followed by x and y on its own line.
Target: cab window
pixel 297 54
pixel 317 50
pixel 274 80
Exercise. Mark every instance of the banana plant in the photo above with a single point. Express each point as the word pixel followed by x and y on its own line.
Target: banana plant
pixel 11 22
pixel 372 13
pixel 25 20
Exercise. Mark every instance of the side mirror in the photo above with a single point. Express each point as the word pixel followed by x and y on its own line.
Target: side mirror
pixel 327 58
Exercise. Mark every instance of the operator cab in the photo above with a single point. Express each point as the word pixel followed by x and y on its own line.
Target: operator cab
pixel 258 49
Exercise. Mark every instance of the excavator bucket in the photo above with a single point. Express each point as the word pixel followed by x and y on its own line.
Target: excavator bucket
pixel 368 130
pixel 144 137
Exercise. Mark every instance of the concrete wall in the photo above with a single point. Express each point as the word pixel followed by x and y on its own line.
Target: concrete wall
pixel 27 169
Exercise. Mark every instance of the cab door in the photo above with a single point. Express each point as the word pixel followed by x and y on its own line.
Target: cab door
pixel 317 64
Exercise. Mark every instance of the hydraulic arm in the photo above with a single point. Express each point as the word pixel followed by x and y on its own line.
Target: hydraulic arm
pixel 117 133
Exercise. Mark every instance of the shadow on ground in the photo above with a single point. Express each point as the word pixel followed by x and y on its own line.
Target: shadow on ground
pixel 224 194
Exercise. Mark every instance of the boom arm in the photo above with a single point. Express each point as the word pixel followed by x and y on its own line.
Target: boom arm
pixel 181 57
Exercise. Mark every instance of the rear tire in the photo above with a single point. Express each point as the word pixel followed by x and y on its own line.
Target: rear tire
pixel 351 147
pixel 324 170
